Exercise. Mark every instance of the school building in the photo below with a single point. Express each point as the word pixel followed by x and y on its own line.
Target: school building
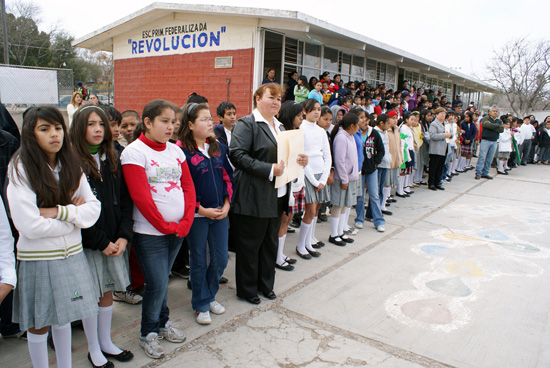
pixel 170 50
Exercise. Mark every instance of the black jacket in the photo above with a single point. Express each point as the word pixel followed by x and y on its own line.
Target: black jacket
pixel 544 139
pixel 115 220
pixel 373 152
pixel 253 151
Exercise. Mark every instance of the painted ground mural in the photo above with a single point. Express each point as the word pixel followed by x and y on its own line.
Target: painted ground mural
pixel 496 241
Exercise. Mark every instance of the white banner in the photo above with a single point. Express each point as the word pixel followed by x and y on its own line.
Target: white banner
pixel 28 86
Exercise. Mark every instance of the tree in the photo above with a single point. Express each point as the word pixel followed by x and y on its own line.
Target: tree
pixel 522 70
pixel 27 44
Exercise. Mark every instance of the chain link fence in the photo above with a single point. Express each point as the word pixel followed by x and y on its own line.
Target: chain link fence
pixel 24 86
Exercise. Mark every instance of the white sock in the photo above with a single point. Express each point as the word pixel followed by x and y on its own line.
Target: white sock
pixel 455 165
pixel 334 220
pixel 104 320
pixel 280 250
pixel 38 349
pixel 506 165
pixel 461 162
pixel 341 222
pixel 386 191
pixel 314 240
pixel 62 340
pixel 90 330
pixel 500 165
pixel 400 185
pixel 347 212
pixel 308 239
pixel 304 230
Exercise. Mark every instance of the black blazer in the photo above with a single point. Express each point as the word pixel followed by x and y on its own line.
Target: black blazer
pixel 253 151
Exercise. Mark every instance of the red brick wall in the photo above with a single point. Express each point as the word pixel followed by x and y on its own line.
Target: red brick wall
pixel 173 77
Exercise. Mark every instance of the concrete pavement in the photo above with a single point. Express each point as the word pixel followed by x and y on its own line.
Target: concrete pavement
pixel 459 279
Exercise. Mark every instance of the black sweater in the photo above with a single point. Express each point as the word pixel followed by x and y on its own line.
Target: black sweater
pixel 373 152
pixel 115 220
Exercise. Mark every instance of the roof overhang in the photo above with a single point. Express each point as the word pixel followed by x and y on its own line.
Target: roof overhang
pixel 282 20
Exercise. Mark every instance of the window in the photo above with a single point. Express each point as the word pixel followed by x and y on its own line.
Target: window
pixel 312 56
pixel 358 67
pixel 330 60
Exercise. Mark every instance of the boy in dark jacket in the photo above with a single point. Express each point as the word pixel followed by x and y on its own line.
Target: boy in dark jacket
pixel 373 153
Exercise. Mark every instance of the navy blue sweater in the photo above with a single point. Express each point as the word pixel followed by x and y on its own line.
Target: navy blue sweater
pixel 213 177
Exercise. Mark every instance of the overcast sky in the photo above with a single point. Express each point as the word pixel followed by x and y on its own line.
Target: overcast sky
pixel 455 33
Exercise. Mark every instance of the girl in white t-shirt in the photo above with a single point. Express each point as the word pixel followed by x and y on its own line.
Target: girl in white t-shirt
pixel 162 190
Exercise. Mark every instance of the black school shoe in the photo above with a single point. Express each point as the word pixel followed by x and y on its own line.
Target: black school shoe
pixel 125 356
pixel 346 239
pixel 336 241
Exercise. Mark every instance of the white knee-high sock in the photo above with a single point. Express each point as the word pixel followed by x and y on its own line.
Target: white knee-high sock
pixel 314 240
pixel 506 167
pixel 90 330
pixel 341 223
pixel 462 163
pixel 386 191
pixel 334 226
pixel 334 220
pixel 62 340
pixel 468 160
pixel 308 239
pixel 280 250
pixel 38 349
pixel 500 165
pixel 400 185
pixel 455 165
pixel 304 230
pixel 347 212
pixel 104 321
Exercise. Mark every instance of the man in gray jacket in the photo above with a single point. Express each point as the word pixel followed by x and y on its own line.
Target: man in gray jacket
pixel 438 149
pixel 491 128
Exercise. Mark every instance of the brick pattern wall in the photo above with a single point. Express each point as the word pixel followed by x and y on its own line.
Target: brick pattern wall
pixel 172 78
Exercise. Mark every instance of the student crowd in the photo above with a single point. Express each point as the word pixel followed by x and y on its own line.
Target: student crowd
pixel 107 206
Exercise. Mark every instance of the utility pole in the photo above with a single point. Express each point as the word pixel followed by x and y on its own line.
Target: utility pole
pixel 5 32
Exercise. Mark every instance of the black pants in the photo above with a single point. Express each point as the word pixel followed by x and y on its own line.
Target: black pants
pixel 256 245
pixel 437 163
pixel 7 327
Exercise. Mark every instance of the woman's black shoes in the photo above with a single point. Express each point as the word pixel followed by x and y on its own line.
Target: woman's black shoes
pixel 313 253
pixel 304 256
pixel 285 266
pixel 346 239
pixel 290 260
pixel 109 364
pixel 271 295
pixel 336 241
pixel 125 356
pixel 254 300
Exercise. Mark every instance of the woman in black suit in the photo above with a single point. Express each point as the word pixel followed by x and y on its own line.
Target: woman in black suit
pixel 257 205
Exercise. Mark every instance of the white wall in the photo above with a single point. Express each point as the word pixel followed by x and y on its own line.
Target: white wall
pixel 196 33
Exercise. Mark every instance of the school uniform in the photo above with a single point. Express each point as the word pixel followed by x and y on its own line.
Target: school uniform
pixel 345 170
pixel 437 151
pixel 115 222
pixel 317 148
pixel 55 283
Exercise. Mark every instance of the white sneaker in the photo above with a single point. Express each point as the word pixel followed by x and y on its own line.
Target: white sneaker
pixel 358 225
pixel 381 228
pixel 127 297
pixel 217 308
pixel 170 332
pixel 351 231
pixel 203 318
pixel 150 343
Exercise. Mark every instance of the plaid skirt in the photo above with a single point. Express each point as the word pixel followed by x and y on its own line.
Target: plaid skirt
pixel 54 292
pixel 299 202
pixel 312 196
pixel 467 149
pixel 109 273
pixel 344 198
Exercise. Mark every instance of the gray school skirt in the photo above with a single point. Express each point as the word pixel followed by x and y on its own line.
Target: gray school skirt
pixel 54 292
pixel 312 196
pixel 391 177
pixel 344 198
pixel 108 273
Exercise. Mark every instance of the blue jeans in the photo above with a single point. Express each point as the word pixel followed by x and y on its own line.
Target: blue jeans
pixel 207 259
pixel 375 187
pixel 487 150
pixel 156 255
pixel 360 206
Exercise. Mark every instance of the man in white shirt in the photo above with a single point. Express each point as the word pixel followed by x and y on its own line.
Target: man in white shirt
pixel 528 133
